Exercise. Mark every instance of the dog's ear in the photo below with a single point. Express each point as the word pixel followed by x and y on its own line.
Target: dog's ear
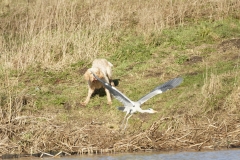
pixel 87 75
pixel 101 75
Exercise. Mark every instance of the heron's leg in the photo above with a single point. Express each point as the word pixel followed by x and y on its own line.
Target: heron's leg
pixel 124 120
pixel 127 121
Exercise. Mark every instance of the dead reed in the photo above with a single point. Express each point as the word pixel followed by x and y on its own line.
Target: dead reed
pixel 31 134
pixel 54 34
pixel 43 135
pixel 184 133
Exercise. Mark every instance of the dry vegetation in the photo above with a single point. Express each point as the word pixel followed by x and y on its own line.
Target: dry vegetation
pixel 44 44
pixel 57 33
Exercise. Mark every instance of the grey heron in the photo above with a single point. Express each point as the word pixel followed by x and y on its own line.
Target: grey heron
pixel 130 106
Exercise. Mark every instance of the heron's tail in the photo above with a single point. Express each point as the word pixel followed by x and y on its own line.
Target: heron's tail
pixel 121 108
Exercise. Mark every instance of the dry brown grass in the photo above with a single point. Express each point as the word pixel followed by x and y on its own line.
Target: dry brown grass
pixel 212 85
pixel 58 33
pixel 232 102
pixel 182 132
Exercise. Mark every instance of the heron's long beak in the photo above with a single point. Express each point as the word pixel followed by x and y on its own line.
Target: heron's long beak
pixel 94 78
pixel 155 111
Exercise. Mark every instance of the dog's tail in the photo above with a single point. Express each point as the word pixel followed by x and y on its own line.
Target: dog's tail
pixel 110 64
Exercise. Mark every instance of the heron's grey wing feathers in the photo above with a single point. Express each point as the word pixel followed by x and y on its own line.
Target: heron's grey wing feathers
pixel 170 84
pixel 160 89
pixel 116 93
pixel 149 95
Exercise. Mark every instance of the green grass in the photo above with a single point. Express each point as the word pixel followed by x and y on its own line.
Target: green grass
pixel 131 51
pixel 193 35
pixel 142 63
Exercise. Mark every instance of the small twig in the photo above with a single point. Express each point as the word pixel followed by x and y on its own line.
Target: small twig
pixel 195 145
pixel 43 153
pixel 210 125
pixel 57 154
pixel 183 136
pixel 148 138
pixel 209 147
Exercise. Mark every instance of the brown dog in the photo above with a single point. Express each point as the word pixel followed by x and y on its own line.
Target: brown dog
pixel 102 68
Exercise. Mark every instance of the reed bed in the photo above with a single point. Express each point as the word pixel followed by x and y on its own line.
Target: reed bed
pixel 184 133
pixel 31 134
pixel 181 133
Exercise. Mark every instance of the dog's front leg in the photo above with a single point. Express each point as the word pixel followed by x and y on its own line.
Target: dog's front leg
pixel 90 92
pixel 109 99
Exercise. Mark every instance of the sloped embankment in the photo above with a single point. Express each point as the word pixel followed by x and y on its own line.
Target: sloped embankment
pixel 181 133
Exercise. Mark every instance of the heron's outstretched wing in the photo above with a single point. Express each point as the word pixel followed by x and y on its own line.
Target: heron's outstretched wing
pixel 162 88
pixel 116 93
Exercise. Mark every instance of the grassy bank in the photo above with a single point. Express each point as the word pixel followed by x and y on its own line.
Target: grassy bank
pixel 46 46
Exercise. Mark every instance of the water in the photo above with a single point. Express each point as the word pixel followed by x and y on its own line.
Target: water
pixel 207 155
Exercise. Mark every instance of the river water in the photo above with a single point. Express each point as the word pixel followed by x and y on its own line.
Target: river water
pixel 203 155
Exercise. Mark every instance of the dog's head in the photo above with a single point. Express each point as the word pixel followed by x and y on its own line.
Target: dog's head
pixel 89 76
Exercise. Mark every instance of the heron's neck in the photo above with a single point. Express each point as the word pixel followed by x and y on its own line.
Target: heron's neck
pixel 144 111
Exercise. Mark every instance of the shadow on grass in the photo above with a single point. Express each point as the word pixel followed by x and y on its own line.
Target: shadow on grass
pixel 101 92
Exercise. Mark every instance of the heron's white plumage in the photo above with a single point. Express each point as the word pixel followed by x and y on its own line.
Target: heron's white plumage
pixel 148 96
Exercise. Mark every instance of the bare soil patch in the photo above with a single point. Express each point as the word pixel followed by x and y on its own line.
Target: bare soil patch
pixel 193 60
pixel 230 43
